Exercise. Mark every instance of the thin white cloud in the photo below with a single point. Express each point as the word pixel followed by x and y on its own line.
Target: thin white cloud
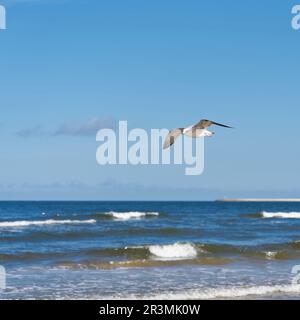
pixel 32 132
pixel 105 190
pixel 86 129
pixel 89 128
pixel 10 2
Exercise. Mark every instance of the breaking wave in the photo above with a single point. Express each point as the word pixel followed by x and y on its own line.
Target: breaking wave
pixel 168 252
pixel 131 215
pixel 174 251
pixel 192 251
pixel 286 215
pixel 25 223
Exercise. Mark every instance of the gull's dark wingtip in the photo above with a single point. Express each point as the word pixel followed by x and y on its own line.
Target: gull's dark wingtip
pixel 222 125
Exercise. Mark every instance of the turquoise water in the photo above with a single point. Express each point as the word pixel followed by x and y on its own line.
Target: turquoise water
pixel 186 250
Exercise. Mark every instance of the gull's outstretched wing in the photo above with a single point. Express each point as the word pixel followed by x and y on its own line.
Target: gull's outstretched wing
pixel 203 124
pixel 172 136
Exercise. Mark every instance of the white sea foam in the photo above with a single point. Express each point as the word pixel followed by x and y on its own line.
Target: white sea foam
pixel 217 293
pixel 174 251
pixel 224 293
pixel 291 215
pixel 131 215
pixel 26 223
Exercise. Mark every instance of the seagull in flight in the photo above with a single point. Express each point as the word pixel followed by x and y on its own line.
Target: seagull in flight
pixel 195 131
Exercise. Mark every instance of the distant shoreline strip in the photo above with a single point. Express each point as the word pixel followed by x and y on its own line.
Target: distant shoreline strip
pixel 257 200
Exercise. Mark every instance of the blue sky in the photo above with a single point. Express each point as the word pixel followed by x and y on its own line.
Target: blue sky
pixel 65 65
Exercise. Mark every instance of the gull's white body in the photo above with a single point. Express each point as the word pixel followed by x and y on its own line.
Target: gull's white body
pixel 196 133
